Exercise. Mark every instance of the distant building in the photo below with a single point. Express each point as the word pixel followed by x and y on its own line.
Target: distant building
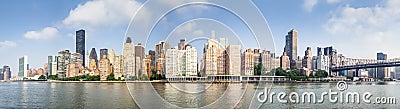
pixel 104 68
pixel 93 55
pixel 64 58
pixel 233 60
pixel 267 60
pixel 52 65
pixel 307 61
pixel 118 67
pixel 111 56
pixel 248 63
pixel 6 72
pixel 129 58
pixel 23 66
pixel 291 46
pixel 257 56
pixel 140 55
pixel 181 62
pixel 80 44
pixel 285 62
pixel 77 57
pixel 382 72
pixel 1 74
pixel 103 52
pixel 159 57
pixel 181 44
pixel 74 69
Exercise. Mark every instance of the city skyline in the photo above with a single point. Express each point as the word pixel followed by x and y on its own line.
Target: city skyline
pixel 44 34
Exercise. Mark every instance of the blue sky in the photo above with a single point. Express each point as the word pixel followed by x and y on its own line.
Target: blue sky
pixel 38 28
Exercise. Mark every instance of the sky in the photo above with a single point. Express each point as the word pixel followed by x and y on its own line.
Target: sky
pixel 39 28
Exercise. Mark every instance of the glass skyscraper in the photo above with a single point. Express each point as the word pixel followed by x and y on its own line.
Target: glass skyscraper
pixel 80 44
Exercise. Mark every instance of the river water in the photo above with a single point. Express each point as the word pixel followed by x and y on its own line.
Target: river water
pixel 182 95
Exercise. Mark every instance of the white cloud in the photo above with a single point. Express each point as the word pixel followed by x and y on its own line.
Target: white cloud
pixel 102 13
pixel 46 33
pixel 308 5
pixel 372 29
pixel 7 44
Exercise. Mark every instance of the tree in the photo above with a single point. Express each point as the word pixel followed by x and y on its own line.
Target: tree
pixel 111 77
pixel 280 72
pixel 42 77
pixel 258 69
pixel 321 74
pixel 144 77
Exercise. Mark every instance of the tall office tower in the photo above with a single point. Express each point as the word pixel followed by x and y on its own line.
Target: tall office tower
pixel 51 69
pixel 267 60
pixel 248 62
pixel 257 56
pixel 181 45
pixel 160 50
pixel 152 58
pixel 64 58
pixel 103 52
pixel 23 66
pixel 104 68
pixel 129 58
pixel 233 60
pixel 111 56
pixel 291 46
pixel 139 56
pixel 80 44
pixel 307 60
pixel 382 72
pixel 285 62
pixel 77 57
pixel 6 72
pixel 190 61
pixel 93 55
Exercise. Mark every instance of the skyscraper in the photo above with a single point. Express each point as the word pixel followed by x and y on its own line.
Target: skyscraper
pixel 129 58
pixel 307 60
pixel 103 52
pixel 111 56
pixel 80 44
pixel 291 46
pixel 93 55
pixel 181 62
pixel 63 59
pixel 139 56
pixel 52 65
pixel 382 72
pixel 23 66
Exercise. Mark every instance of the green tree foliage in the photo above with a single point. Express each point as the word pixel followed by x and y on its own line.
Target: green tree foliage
pixel 258 69
pixel 144 77
pixel 321 74
pixel 42 77
pixel 111 77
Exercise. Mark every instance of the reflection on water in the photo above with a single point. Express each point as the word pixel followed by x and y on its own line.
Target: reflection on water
pixel 65 95
pixel 173 95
